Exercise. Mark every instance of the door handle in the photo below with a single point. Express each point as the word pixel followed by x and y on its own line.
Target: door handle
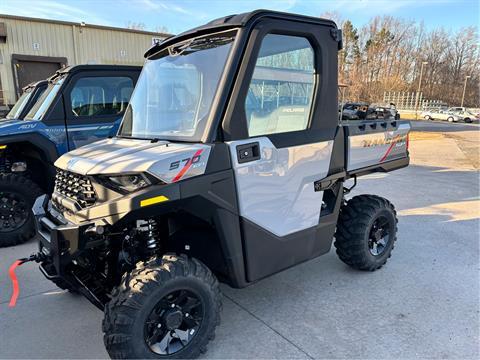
pixel 248 152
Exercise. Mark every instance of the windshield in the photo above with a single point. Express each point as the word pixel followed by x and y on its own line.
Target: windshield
pixel 43 103
pixel 16 110
pixel 175 92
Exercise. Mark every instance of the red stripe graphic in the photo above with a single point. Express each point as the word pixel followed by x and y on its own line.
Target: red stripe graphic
pixel 187 166
pixel 388 151
pixel 16 289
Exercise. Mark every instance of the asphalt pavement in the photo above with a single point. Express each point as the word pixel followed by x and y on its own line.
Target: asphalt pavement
pixel 423 304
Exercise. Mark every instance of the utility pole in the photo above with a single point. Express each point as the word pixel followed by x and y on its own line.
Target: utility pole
pixel 464 88
pixel 418 91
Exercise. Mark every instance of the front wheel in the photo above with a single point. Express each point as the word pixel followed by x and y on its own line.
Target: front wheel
pixel 17 195
pixel 468 120
pixel 450 119
pixel 427 117
pixel 167 307
pixel 366 232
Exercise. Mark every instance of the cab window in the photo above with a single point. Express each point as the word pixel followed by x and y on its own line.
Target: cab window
pixel 96 96
pixel 280 94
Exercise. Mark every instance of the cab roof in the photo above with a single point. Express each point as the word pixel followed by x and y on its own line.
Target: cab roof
pixel 75 68
pixel 35 84
pixel 237 21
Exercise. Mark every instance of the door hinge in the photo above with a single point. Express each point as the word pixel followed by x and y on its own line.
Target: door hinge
pixel 337 36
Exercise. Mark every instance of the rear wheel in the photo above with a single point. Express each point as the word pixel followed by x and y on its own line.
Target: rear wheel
pixel 17 195
pixel 167 307
pixel 427 117
pixel 366 232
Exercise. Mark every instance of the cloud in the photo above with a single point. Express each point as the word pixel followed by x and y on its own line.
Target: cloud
pixel 51 9
pixel 164 6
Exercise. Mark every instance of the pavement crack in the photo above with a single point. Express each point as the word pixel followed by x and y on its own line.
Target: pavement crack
pixel 270 327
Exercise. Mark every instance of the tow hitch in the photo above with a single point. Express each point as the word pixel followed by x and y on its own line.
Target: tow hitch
pixel 38 257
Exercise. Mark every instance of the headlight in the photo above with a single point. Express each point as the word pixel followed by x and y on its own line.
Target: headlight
pixel 127 183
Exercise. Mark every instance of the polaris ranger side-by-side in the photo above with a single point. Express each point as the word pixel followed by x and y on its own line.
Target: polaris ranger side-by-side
pixel 229 164
pixel 76 106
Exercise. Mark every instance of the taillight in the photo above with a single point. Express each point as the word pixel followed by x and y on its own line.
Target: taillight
pixel 408 141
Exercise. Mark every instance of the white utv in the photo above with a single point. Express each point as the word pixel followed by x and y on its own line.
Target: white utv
pixel 230 164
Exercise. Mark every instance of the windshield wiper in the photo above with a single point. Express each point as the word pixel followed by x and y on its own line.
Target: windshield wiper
pixel 197 44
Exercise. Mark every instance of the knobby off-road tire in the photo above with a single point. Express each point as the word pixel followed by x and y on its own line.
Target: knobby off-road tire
pixel 358 238
pixel 17 195
pixel 155 297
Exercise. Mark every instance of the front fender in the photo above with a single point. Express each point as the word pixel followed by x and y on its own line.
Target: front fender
pixel 48 148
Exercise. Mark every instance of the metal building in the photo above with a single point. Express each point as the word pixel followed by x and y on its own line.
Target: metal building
pixel 32 49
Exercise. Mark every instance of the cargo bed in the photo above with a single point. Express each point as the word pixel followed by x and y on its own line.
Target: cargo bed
pixel 375 146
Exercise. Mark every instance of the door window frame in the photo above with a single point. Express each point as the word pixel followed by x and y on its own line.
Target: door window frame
pixel 71 118
pixel 323 117
pixel 316 79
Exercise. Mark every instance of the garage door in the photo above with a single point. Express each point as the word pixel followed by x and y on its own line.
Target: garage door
pixel 28 69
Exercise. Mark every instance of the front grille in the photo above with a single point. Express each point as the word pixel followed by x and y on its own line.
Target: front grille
pixel 75 187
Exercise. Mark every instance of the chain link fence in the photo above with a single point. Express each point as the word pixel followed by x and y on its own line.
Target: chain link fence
pixel 404 100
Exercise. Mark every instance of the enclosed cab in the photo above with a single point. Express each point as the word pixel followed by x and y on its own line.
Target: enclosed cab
pixel 76 106
pixel 229 164
pixel 29 97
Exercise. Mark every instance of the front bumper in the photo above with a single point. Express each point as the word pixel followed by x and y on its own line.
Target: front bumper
pixel 60 242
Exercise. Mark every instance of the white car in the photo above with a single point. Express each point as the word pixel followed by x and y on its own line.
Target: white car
pixel 465 114
pixel 441 115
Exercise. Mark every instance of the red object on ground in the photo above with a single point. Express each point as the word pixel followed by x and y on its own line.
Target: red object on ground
pixel 16 288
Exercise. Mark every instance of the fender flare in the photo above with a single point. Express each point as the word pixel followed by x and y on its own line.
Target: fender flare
pixel 47 147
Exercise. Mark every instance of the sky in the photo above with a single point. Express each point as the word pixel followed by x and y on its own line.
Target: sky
pixel 180 15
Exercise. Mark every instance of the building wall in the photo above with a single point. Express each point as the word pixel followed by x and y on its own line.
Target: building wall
pixel 79 44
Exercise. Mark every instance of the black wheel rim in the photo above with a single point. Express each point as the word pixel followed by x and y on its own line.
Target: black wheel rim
pixel 13 211
pixel 174 322
pixel 379 236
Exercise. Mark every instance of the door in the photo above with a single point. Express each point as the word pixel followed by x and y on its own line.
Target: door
pixel 285 148
pixel 95 104
pixel 28 69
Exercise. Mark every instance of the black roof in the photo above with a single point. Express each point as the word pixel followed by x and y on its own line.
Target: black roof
pixel 94 67
pixel 235 21
pixel 35 84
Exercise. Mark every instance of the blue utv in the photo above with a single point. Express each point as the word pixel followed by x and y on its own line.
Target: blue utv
pixel 76 106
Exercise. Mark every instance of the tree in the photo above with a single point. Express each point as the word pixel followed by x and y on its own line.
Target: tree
pixel 387 53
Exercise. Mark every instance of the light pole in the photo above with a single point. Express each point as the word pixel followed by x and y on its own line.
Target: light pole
pixel 418 91
pixel 464 88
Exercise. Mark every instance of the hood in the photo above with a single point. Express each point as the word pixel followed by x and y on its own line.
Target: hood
pixel 167 161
